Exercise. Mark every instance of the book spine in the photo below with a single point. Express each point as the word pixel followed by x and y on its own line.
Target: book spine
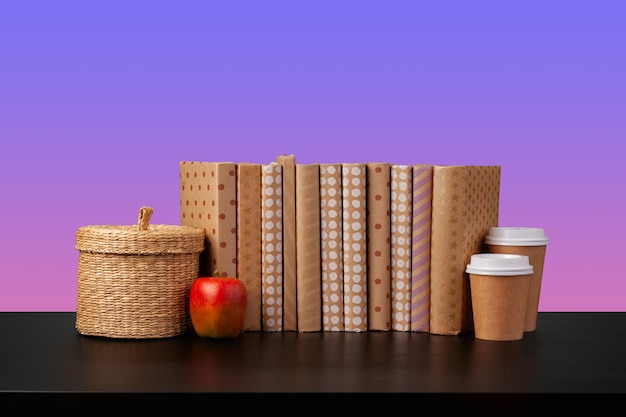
pixel 354 201
pixel 465 204
pixel 378 246
pixel 420 247
pixel 448 237
pixel 272 253
pixel 290 313
pixel 331 247
pixel 208 202
pixel 401 178
pixel 308 248
pixel 483 198
pixel 249 247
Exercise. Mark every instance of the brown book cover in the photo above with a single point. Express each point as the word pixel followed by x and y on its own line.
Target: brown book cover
pixel 378 246
pixel 331 247
pixel 309 279
pixel 420 247
pixel 465 204
pixel 354 205
pixel 290 313
pixel 208 197
pixel 272 253
pixel 249 250
pixel 401 182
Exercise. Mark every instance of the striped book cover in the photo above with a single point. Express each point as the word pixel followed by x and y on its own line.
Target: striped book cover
pixel 420 247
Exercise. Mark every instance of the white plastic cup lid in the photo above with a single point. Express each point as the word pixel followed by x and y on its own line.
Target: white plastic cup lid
pixel 499 264
pixel 516 236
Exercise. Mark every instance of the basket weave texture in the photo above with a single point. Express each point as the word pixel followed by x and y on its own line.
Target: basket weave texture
pixel 134 282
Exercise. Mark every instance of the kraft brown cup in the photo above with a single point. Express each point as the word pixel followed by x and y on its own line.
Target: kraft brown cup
pixel 527 241
pixel 499 288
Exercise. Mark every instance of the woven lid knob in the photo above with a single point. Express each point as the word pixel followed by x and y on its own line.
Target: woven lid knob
pixel 145 213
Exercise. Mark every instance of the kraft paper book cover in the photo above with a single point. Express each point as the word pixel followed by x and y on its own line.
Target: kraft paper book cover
pixel 290 314
pixel 378 246
pixel 208 201
pixel 401 183
pixel 272 253
pixel 465 204
pixel 421 225
pixel 331 247
pixel 308 239
pixel 354 205
pixel 249 247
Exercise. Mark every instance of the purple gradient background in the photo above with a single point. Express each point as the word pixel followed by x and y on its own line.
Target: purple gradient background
pixel 99 102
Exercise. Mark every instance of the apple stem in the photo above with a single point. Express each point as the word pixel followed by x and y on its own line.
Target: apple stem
pixel 216 273
pixel 145 213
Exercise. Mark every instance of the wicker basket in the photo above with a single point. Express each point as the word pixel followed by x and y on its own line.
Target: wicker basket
pixel 134 281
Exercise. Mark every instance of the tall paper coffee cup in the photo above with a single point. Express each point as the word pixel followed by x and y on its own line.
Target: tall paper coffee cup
pixel 529 241
pixel 499 289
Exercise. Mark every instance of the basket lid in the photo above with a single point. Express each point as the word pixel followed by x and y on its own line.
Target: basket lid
pixel 143 239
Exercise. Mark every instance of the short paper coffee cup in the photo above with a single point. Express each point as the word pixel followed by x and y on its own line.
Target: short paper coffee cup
pixel 499 288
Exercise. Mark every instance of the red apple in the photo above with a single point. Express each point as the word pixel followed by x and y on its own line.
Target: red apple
pixel 217 306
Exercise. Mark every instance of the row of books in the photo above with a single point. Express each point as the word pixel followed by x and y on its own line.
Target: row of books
pixel 344 246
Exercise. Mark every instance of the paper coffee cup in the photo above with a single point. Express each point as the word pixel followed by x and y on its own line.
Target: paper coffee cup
pixel 529 241
pixel 499 289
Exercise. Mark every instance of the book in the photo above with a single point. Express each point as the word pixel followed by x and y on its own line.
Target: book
pixel 249 249
pixel 465 204
pixel 208 201
pixel 420 247
pixel 354 228
pixel 378 246
pixel 308 248
pixel 331 243
pixel 290 312
pixel 401 210
pixel 271 247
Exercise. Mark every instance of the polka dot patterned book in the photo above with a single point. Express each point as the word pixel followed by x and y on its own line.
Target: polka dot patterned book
pixel 272 247
pixel 208 192
pixel 354 212
pixel 400 248
pixel 378 234
pixel 331 242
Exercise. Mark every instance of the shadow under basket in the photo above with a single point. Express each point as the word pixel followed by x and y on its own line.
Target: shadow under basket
pixel 134 281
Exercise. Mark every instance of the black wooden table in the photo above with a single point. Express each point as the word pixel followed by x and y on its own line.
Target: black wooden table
pixel 575 359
